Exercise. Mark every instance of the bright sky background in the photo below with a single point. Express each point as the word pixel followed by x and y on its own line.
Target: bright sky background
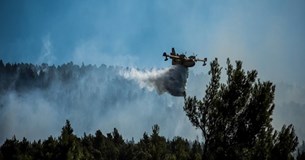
pixel 266 35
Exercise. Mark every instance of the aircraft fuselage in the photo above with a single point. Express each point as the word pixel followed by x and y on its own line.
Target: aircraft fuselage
pixel 185 63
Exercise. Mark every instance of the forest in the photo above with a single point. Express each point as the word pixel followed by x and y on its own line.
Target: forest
pixel 100 146
pixel 234 118
pixel 108 146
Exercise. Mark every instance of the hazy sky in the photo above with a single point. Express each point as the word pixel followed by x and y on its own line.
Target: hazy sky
pixel 267 35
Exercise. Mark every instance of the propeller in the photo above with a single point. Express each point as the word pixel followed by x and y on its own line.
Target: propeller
pixel 204 62
pixel 164 54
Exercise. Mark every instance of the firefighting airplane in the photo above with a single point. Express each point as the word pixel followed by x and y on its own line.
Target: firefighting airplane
pixel 182 59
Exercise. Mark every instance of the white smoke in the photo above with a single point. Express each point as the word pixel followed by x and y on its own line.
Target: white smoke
pixel 46 55
pixel 171 80
pixel 100 98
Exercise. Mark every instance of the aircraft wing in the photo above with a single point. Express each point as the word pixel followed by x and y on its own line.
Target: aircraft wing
pixel 202 60
pixel 173 57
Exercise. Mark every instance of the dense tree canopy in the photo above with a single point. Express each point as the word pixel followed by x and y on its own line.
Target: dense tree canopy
pixel 100 146
pixel 235 117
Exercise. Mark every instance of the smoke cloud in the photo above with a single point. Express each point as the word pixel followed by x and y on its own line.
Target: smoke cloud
pixel 35 103
pixel 171 80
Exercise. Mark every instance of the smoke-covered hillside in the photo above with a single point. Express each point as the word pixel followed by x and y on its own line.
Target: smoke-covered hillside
pixel 37 99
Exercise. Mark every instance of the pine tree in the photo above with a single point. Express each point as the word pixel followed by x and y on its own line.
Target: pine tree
pixel 69 143
pixel 285 143
pixel 235 117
